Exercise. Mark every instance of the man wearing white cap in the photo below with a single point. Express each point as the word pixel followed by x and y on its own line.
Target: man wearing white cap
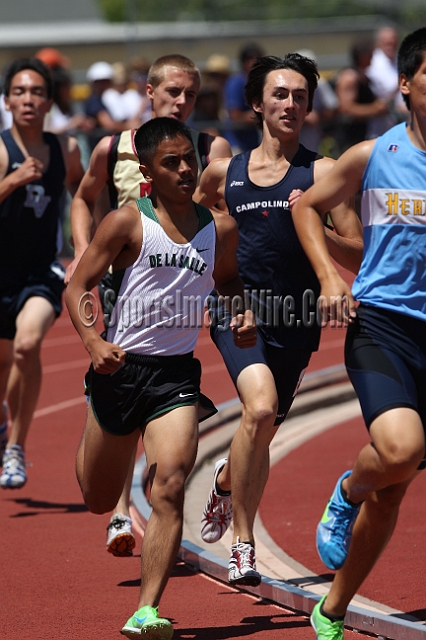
pixel 100 76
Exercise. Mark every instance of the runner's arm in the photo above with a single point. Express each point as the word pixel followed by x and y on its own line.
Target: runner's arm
pixel 83 204
pixel 311 210
pixel 345 243
pixel 72 159
pixel 212 183
pixel 228 282
pixel 111 240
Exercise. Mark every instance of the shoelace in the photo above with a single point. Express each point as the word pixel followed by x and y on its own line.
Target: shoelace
pixel 346 514
pixel 13 456
pixel 246 551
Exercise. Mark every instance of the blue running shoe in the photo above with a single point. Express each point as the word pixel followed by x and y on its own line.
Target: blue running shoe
pixel 334 532
pixel 324 628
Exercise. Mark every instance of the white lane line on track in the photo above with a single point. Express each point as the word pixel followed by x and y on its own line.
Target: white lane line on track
pixel 60 406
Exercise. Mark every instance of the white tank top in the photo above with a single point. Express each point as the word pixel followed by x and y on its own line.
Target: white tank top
pixel 161 299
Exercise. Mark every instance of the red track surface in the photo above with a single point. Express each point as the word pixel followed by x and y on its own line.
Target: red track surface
pixel 58 581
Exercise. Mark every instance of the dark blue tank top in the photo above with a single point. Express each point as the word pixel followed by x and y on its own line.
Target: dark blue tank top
pixel 29 216
pixel 271 261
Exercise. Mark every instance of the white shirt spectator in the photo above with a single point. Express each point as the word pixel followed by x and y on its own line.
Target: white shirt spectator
pixel 5 116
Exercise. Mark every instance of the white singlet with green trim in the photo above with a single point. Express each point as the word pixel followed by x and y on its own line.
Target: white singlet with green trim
pixel 161 299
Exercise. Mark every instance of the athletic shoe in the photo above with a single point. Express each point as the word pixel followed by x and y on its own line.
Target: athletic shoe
pixel 325 628
pixel 120 539
pixel 145 622
pixel 334 532
pixel 14 474
pixel 242 565
pixel 3 434
pixel 217 513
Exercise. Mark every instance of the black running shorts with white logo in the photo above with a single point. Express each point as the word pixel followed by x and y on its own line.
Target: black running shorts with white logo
pixel 385 356
pixel 48 284
pixel 144 388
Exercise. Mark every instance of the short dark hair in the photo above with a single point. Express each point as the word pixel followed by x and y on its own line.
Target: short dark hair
pixel 411 54
pixel 34 64
pixel 258 73
pixel 153 132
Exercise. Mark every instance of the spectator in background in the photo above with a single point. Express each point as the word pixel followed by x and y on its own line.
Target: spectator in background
pixel 62 117
pixel 100 76
pixel 324 109
pixel 216 72
pixel 243 136
pixel 384 81
pixel 53 58
pixel 206 114
pixel 5 116
pixel 138 73
pixel 357 101
pixel 122 101
pixel 209 113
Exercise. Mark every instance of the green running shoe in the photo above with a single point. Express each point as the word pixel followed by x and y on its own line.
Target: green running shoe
pixel 146 623
pixel 325 628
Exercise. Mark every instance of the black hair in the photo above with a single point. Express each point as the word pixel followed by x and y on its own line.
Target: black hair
pixel 258 73
pixel 34 64
pixel 360 48
pixel 153 132
pixel 250 52
pixel 411 54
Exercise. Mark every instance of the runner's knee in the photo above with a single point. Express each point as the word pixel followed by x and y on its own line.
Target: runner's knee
pixel 401 459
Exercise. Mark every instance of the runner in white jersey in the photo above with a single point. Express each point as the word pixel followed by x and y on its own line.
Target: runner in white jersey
pixel 172 86
pixel 166 252
pixel 385 351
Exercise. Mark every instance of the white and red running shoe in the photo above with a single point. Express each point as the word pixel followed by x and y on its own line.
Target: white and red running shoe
pixel 242 565
pixel 217 513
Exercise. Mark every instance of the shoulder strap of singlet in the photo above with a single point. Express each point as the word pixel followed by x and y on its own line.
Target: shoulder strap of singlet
pixel 56 156
pixel 204 215
pixel 112 161
pixel 145 206
pixel 201 144
pixel 13 151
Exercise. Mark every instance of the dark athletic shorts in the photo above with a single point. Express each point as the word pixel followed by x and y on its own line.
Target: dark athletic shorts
pixel 385 356
pixel 49 285
pixel 143 388
pixel 287 365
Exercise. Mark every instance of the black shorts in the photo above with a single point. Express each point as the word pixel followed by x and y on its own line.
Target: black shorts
pixel 287 365
pixel 49 285
pixel 143 388
pixel 385 356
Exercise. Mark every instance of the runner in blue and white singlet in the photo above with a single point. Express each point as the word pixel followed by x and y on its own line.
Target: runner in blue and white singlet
pixel 393 272
pixel 385 350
